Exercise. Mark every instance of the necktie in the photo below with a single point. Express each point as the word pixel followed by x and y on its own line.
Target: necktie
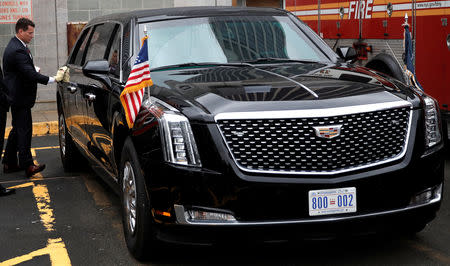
pixel 29 52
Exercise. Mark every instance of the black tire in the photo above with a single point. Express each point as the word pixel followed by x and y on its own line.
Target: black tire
pixel 386 64
pixel 70 156
pixel 139 233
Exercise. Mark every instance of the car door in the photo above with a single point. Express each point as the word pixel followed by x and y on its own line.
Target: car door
pixel 98 95
pixel 72 94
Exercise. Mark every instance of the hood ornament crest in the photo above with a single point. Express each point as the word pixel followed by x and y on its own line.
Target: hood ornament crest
pixel 328 132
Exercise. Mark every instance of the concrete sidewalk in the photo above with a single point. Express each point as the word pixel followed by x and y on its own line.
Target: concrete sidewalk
pixel 45 122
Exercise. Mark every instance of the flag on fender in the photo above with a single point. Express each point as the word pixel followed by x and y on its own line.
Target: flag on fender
pixel 139 79
pixel 408 59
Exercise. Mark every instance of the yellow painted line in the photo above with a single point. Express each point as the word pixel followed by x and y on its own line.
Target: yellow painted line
pixel 56 249
pixel 46 148
pixel 37 176
pixel 46 179
pixel 43 203
pixel 40 128
pixel 33 153
pixel 29 184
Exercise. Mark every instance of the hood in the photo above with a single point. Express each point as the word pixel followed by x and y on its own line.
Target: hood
pixel 202 93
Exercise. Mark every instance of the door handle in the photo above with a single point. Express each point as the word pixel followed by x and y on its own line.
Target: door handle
pixel 90 96
pixel 95 86
pixel 71 89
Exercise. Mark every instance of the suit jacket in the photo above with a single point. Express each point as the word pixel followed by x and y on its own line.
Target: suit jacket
pixel 20 76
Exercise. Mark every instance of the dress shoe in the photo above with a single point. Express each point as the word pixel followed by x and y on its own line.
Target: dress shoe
pixel 6 191
pixel 34 169
pixel 11 168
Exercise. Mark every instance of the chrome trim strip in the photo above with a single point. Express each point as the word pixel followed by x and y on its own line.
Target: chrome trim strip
pixel 311 113
pixel 182 219
pixel 320 113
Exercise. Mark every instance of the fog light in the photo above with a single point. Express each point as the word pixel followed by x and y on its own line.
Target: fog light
pixel 427 196
pixel 208 216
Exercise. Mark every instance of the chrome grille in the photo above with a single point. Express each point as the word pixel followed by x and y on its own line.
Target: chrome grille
pixel 292 146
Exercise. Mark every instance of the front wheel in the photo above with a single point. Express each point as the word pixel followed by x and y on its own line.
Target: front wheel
pixel 136 215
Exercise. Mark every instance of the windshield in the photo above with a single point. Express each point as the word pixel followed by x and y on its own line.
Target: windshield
pixel 227 40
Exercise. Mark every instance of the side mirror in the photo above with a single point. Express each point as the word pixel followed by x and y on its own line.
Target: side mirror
pixel 347 53
pixel 98 70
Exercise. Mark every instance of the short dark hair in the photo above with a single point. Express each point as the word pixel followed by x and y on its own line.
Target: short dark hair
pixel 23 24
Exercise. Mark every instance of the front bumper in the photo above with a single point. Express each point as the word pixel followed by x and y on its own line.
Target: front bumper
pixel 274 232
pixel 279 209
pixel 183 218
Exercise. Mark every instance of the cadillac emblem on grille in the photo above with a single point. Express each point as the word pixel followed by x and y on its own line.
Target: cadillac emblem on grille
pixel 328 132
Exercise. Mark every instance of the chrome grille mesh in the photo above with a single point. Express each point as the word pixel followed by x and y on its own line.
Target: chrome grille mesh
pixel 291 145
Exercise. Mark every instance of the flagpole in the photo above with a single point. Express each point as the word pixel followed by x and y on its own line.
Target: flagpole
pixel 147 88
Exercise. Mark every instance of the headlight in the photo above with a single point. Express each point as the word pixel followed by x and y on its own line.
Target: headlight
pixel 432 131
pixel 178 139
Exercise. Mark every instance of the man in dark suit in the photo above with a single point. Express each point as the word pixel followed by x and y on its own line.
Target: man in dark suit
pixel 4 107
pixel 21 78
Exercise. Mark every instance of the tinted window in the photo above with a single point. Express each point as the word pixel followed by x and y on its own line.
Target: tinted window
pixel 80 48
pixel 114 54
pixel 99 42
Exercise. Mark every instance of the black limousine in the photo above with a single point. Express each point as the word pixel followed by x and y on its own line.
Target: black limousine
pixel 254 128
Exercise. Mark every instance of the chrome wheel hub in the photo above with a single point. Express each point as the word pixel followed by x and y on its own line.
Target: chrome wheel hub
pixel 129 196
pixel 62 134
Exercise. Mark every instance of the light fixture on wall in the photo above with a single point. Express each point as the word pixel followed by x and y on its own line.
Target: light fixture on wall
pixel 390 9
pixel 341 12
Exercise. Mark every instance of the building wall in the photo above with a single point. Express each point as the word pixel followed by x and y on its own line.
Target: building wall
pixel 49 47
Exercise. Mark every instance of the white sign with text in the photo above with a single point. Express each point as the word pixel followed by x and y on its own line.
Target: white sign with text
pixel 12 10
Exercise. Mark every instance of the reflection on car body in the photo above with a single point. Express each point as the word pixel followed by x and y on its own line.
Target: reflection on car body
pixel 254 130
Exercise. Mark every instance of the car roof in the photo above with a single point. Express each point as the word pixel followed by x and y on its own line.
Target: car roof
pixel 179 12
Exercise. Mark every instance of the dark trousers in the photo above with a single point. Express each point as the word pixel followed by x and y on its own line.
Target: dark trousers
pixel 2 129
pixel 19 139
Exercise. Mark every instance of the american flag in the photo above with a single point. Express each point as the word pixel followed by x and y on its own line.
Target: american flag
pixel 139 79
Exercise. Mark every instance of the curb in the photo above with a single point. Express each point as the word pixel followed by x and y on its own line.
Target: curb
pixel 40 129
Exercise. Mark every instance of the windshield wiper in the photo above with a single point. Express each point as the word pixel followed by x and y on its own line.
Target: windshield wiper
pixel 276 60
pixel 192 64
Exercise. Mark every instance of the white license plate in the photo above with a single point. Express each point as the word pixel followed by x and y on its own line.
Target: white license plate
pixel 332 201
